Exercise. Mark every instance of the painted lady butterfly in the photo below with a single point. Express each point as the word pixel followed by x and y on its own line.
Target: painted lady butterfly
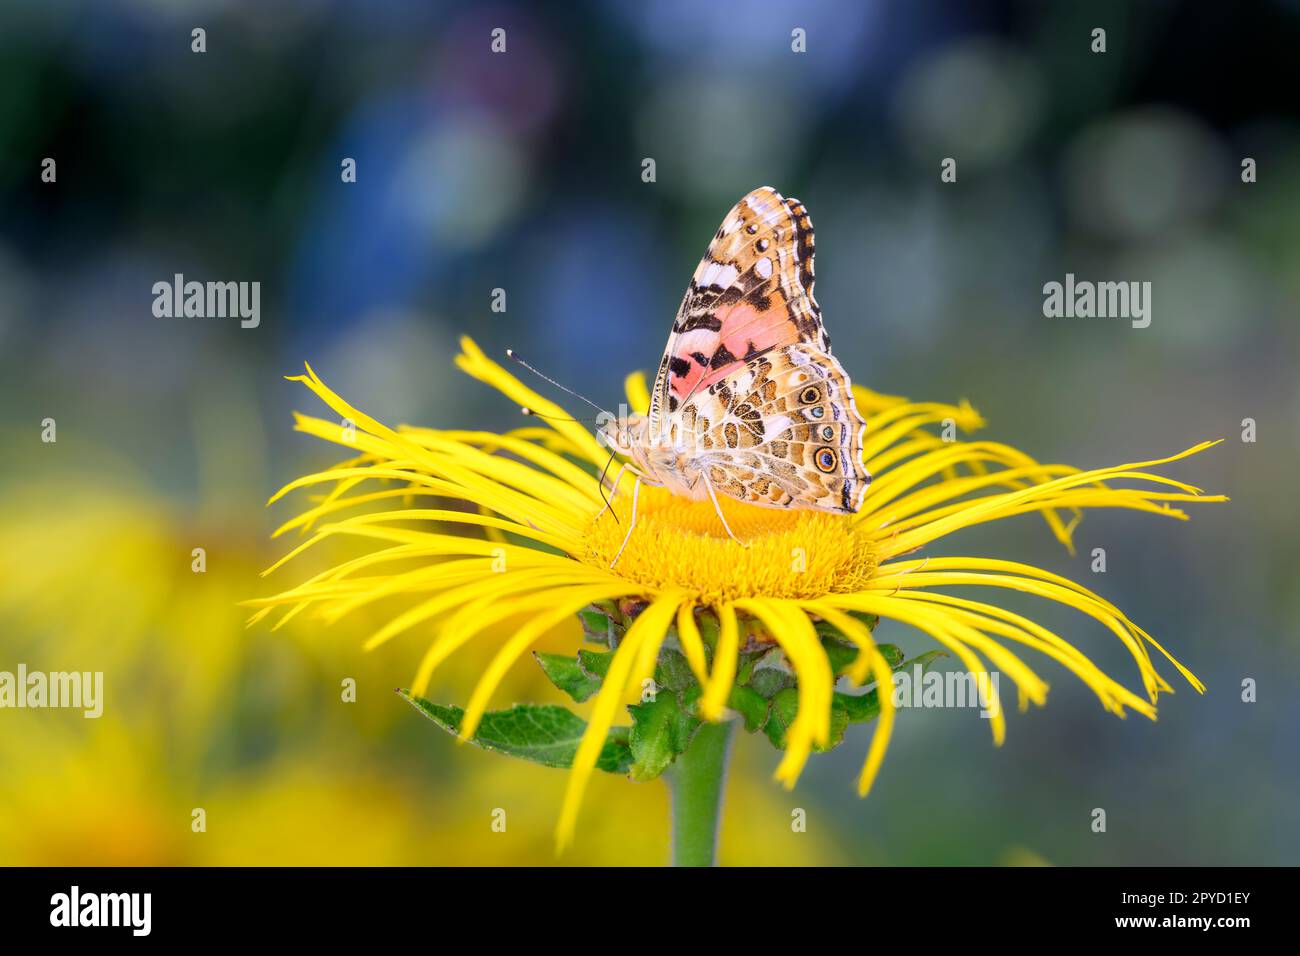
pixel 748 401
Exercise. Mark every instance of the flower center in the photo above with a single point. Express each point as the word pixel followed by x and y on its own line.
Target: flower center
pixel 681 543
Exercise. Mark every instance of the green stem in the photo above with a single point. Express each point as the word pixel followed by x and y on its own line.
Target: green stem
pixel 696 780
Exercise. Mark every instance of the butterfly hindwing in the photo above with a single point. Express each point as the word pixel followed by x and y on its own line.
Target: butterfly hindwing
pixel 751 293
pixel 783 431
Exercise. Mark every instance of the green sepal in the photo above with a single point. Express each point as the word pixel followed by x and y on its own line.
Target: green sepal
pixel 595 626
pixel 784 707
pixel 544 734
pixel 845 708
pixel 567 674
pixel 864 707
pixel 673 672
pixel 842 653
pixel 860 707
pixel 660 731
pixel 839 724
pixel 767 681
pixel 602 623
pixel 595 664
pixel 839 654
pixel 892 653
pixel 751 705
pixel 747 663
pixel 707 624
pixel 869 620
pixel 781 713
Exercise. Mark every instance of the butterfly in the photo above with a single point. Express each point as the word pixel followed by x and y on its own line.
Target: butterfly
pixel 748 401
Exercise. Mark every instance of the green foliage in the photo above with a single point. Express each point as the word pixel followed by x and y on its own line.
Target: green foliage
pixel 782 709
pixel 673 672
pixel 765 695
pixel 544 734
pixel 661 730
pixel 751 705
pixel 595 664
pixel 601 624
pixel 864 707
pixel 567 674
pixel 768 681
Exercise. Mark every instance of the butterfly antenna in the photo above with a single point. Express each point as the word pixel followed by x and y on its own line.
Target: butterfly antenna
pixel 510 353
pixel 532 412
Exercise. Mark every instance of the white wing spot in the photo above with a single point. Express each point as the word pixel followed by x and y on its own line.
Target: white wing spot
pixel 717 274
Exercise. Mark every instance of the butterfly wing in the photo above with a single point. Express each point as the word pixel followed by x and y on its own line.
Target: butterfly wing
pixel 751 293
pixel 783 432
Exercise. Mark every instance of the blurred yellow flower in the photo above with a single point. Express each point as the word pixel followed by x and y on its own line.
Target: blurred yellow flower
pixel 101 579
pixel 524 539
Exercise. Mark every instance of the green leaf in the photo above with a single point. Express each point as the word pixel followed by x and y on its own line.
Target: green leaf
pixel 595 626
pixel 747 663
pixel 845 708
pixel 839 724
pixel 673 672
pixel 751 705
pixel 892 653
pixel 784 707
pixel 870 620
pixel 926 660
pixel 863 707
pixel 766 681
pixel 707 623
pixel 785 704
pixel 745 701
pixel 860 707
pixel 842 652
pixel 565 674
pixel 660 731
pixel 602 623
pixel 548 735
pixel 595 664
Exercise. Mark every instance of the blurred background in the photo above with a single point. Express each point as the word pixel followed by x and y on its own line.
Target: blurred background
pixel 522 171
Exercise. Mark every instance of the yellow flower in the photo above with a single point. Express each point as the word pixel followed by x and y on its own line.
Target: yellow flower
pixel 120 789
pixel 517 533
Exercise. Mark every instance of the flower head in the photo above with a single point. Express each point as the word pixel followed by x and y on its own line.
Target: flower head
pixel 477 529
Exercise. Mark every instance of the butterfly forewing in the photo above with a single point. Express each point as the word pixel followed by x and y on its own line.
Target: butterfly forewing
pixel 748 396
pixel 751 293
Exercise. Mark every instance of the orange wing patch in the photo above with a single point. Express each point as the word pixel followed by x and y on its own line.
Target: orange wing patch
pixel 751 293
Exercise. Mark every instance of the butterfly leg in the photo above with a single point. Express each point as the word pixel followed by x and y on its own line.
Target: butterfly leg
pixel 718 508
pixel 636 493
pixel 613 492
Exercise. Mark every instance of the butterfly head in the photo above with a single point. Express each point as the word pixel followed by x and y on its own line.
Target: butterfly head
pixel 625 434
